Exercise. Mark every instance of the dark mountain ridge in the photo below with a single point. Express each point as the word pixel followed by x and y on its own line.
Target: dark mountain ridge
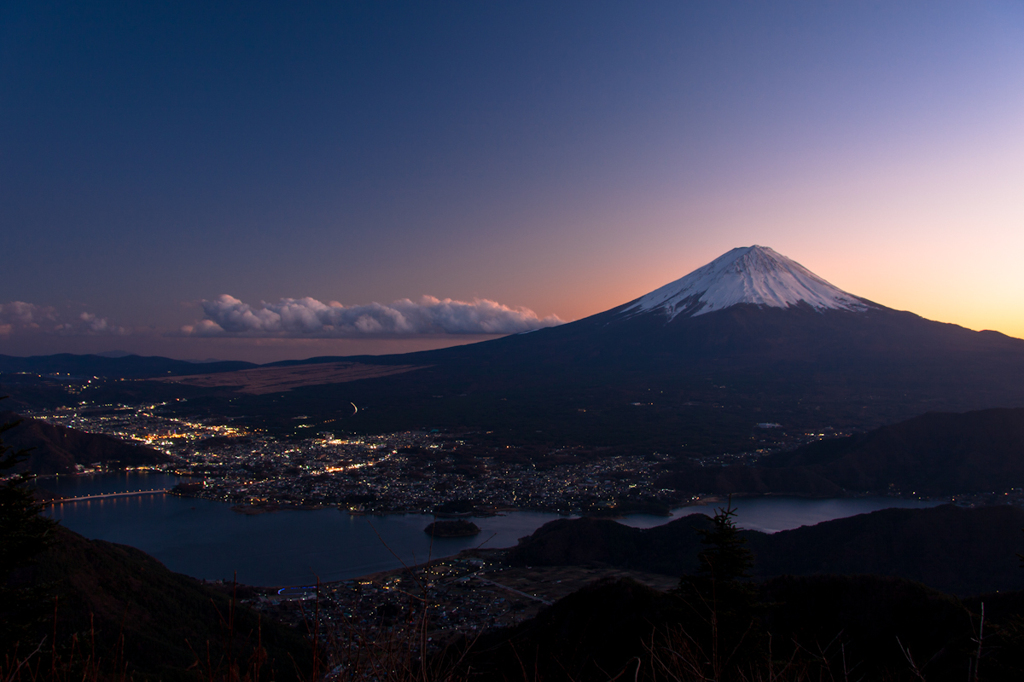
pixel 821 627
pixel 949 548
pixel 149 621
pixel 938 454
pixel 121 367
pixel 57 449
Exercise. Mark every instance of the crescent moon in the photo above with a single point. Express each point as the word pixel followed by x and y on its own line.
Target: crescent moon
pixel 354 409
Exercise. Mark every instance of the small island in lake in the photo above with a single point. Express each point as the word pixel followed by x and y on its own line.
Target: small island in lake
pixel 452 529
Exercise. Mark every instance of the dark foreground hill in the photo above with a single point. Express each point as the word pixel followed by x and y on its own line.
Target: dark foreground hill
pixel 121 606
pixel 811 628
pixel 56 449
pixel 935 454
pixel 117 604
pixel 956 550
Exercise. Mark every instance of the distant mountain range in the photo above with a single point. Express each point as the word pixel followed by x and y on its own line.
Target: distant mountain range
pixel 691 367
pixel 114 365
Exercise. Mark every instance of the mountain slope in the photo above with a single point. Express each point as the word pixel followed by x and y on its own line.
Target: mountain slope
pixel 935 454
pixel 702 381
pixel 154 622
pixel 56 449
pixel 956 550
pixel 752 337
pixel 821 628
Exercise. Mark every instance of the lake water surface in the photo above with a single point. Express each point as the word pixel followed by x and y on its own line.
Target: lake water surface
pixel 207 540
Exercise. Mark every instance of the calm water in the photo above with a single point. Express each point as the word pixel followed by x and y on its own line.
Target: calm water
pixel 774 514
pixel 207 540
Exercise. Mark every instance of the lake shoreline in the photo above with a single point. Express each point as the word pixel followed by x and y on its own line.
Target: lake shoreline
pixel 209 540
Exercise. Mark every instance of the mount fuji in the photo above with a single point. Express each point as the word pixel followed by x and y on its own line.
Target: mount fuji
pixel 752 337
pixel 754 275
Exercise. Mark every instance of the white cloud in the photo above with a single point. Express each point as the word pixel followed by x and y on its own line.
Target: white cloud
pixel 91 324
pixel 18 317
pixel 21 315
pixel 308 317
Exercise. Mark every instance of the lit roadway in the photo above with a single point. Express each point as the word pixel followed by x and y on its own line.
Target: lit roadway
pixel 107 496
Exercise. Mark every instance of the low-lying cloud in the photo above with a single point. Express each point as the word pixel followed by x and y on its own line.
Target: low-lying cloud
pixel 19 317
pixel 308 317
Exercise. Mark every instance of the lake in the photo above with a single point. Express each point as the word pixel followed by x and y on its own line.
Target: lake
pixel 207 540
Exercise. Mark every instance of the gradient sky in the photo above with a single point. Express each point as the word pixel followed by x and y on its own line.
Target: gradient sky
pixel 559 157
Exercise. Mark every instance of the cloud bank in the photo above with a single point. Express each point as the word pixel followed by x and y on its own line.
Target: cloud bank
pixel 308 317
pixel 18 317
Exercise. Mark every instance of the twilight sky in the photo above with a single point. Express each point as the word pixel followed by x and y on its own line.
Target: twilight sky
pixel 266 181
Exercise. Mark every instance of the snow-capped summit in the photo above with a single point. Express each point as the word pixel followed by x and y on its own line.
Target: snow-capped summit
pixel 751 274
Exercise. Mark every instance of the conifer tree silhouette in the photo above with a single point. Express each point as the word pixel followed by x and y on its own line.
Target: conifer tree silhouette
pixel 24 534
pixel 723 620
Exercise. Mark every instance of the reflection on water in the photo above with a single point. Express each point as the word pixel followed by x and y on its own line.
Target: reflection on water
pixel 207 540
pixel 129 481
pixel 774 514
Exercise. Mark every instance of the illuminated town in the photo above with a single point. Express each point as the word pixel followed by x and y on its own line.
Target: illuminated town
pixel 396 472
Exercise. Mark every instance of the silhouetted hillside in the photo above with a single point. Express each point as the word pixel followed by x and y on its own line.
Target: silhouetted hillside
pixel 590 635
pixel 56 449
pixel 935 454
pixel 1006 611
pixel 818 624
pixel 866 619
pixel 956 550
pixel 106 591
pixel 670 548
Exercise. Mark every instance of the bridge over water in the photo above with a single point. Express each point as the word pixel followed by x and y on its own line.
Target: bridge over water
pixel 106 496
